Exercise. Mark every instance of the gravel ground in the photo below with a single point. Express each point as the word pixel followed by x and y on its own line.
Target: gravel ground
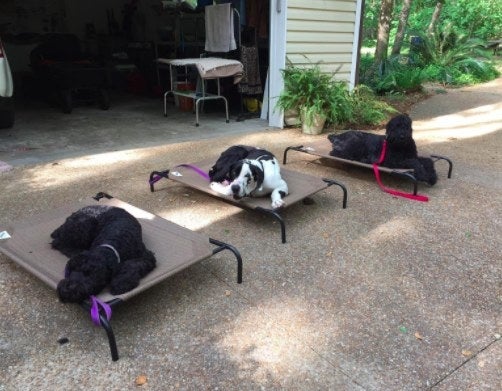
pixel 388 294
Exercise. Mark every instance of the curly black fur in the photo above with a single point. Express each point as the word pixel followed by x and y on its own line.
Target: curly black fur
pixel 93 266
pixel 401 148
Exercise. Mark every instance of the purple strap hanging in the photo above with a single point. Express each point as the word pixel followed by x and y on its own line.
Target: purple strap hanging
pixel 198 170
pixel 96 303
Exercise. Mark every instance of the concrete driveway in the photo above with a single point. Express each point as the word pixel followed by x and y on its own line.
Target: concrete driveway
pixel 43 133
pixel 388 294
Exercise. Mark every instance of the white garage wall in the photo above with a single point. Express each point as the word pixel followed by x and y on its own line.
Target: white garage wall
pixel 324 31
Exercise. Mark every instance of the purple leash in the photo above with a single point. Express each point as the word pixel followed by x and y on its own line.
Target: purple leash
pixel 199 171
pixel 96 303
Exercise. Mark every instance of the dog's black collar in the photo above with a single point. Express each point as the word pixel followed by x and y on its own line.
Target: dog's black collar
pixel 113 249
pixel 258 159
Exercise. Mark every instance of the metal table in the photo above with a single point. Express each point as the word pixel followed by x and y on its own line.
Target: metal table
pixel 208 68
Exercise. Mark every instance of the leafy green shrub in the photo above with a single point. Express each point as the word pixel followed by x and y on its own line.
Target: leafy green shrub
pixel 480 18
pixel 312 92
pixel 469 71
pixel 366 108
pixel 397 74
pixel 292 94
pixel 453 58
pixel 340 104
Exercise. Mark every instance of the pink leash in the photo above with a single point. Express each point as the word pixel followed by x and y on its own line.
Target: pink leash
pixel 416 197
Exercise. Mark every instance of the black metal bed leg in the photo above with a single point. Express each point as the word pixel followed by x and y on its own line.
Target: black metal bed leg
pixel 284 156
pixel 154 177
pixel 450 163
pixel 105 323
pixel 414 181
pixel 342 186
pixel 409 176
pixel 224 246
pixel 278 217
pixel 111 337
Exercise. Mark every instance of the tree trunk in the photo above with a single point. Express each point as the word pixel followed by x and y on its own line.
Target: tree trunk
pixel 383 31
pixel 401 28
pixel 435 17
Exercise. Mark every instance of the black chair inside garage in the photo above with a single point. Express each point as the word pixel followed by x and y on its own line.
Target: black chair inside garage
pixel 65 72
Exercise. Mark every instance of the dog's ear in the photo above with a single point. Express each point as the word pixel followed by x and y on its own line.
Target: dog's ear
pixel 221 170
pixel 235 170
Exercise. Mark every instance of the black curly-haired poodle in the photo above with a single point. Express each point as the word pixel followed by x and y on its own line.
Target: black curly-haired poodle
pixel 401 148
pixel 105 247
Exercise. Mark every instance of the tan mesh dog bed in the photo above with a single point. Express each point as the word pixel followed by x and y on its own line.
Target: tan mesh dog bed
pixel 322 149
pixel 175 249
pixel 301 187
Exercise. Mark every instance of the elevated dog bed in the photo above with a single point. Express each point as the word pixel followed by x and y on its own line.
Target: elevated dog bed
pixel 175 248
pixel 301 187
pixel 322 149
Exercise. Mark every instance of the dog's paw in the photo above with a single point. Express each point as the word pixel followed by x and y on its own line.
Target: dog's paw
pixel 220 188
pixel 73 290
pixel 279 203
pixel 216 186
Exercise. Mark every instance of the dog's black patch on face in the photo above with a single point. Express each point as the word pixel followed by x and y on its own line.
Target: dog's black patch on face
pixel 228 166
pixel 282 193
pixel 235 170
pixel 223 167
pixel 258 175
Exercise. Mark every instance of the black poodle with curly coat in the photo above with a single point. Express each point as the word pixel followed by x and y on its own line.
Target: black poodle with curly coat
pixel 401 148
pixel 105 247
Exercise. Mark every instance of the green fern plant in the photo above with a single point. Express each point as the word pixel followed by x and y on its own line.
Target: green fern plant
pixel 367 109
pixel 312 92
pixel 397 74
pixel 453 58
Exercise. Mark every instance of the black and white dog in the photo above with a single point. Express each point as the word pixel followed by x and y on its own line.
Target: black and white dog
pixel 244 171
pixel 105 247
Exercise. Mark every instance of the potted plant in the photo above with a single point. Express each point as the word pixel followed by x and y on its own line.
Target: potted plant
pixel 291 96
pixel 315 95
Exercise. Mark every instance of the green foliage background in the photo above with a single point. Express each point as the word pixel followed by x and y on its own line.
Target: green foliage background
pixel 454 54
pixel 474 18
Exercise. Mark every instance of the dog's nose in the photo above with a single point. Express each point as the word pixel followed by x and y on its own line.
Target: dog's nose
pixel 235 189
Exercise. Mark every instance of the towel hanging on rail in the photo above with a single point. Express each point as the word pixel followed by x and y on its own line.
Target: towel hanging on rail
pixel 219 28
